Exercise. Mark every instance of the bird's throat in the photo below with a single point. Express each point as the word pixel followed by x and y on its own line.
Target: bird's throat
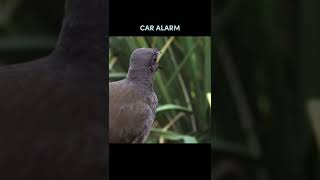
pixel 142 77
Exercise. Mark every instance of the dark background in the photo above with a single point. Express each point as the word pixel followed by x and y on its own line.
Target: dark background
pixel 266 90
pixel 127 16
pixel 165 161
pixel 28 29
pixel 32 17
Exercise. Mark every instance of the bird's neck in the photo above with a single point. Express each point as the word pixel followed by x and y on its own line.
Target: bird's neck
pixel 85 30
pixel 141 76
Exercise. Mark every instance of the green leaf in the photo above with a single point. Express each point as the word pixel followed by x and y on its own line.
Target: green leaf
pixel 171 107
pixel 209 98
pixel 169 135
pixel 117 75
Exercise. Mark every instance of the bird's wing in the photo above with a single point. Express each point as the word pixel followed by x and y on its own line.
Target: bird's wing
pixel 130 117
pixel 138 118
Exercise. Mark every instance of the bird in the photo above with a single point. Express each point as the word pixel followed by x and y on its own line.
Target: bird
pixel 53 109
pixel 133 101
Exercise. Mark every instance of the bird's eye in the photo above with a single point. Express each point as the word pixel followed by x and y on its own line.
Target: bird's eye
pixel 155 59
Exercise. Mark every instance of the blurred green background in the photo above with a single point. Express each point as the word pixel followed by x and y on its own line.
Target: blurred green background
pixel 28 29
pixel 267 90
pixel 183 85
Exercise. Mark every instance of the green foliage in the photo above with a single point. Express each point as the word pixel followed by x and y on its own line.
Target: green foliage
pixel 169 135
pixel 168 107
pixel 182 85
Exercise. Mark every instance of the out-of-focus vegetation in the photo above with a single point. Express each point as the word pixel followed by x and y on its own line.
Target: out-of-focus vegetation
pixel 267 90
pixel 28 29
pixel 182 85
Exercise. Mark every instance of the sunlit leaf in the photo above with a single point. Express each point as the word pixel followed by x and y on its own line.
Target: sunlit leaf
pixel 209 98
pixel 171 107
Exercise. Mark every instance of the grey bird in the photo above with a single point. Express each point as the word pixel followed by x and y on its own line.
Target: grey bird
pixel 53 109
pixel 132 101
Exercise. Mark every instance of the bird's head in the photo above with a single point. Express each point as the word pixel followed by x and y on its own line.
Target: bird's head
pixel 145 59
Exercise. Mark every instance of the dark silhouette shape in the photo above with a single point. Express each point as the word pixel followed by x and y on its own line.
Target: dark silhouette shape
pixel 132 101
pixel 53 110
